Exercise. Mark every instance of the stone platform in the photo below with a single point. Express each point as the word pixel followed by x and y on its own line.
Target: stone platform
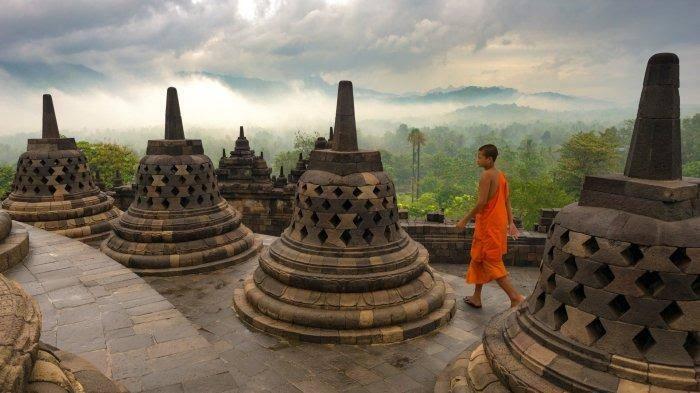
pixel 261 363
pixel 179 334
pixel 97 309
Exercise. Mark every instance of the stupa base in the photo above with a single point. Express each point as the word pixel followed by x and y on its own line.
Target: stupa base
pixel 512 361
pixel 175 270
pixel 90 230
pixel 14 247
pixel 379 335
pixel 55 369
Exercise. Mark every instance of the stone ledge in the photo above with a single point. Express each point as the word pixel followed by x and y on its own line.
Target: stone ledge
pixel 14 248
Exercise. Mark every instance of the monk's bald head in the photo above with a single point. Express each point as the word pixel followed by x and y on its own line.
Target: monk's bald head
pixel 489 151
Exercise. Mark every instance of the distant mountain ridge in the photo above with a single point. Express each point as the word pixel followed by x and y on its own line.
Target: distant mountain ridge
pixel 466 95
pixel 74 77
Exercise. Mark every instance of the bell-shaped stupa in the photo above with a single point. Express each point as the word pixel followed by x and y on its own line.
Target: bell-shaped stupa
pixel 178 222
pixel 617 304
pixel 344 271
pixel 54 189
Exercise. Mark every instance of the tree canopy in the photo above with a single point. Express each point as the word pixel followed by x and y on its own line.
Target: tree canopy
pixel 107 158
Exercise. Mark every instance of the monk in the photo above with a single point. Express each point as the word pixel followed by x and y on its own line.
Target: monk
pixel 494 222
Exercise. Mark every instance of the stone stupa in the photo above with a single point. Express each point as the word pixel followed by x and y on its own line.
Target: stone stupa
pixel 617 304
pixel 178 222
pixel 344 271
pixel 54 189
pixel 242 170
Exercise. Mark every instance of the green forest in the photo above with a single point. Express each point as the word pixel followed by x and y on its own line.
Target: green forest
pixel 434 168
pixel 545 163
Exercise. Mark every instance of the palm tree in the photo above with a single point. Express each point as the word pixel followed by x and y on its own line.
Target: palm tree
pixel 416 138
pixel 420 140
pixel 411 139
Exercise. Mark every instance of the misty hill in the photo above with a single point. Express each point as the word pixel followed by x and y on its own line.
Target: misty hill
pixel 513 113
pixel 255 88
pixel 64 76
pixel 75 77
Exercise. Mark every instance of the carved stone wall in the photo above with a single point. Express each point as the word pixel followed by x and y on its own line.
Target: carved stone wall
pixel 447 244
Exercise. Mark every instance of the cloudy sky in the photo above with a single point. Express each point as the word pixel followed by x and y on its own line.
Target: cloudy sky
pixel 118 56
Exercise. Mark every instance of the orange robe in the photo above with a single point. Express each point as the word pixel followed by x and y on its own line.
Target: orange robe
pixel 490 238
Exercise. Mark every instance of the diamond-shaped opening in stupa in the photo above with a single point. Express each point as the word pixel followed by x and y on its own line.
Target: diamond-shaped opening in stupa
pixel 619 305
pixel 644 340
pixel 650 283
pixel 680 258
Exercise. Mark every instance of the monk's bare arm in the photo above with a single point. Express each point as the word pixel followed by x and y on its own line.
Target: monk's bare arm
pixel 509 208
pixel 484 188
pixel 512 229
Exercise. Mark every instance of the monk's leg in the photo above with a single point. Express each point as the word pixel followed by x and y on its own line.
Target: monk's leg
pixel 515 297
pixel 475 299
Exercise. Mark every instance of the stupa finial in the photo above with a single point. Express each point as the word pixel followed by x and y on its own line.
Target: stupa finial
pixel 241 133
pixel 655 150
pixel 345 137
pixel 49 126
pixel 173 119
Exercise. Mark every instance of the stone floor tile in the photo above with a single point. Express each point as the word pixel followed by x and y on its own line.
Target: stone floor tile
pixel 128 343
pixel 363 376
pixel 386 370
pixel 174 388
pixel 403 382
pixel 212 383
pixel 315 386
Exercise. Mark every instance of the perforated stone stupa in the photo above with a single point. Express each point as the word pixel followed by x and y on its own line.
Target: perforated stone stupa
pixel 344 271
pixel 616 307
pixel 178 222
pixel 54 190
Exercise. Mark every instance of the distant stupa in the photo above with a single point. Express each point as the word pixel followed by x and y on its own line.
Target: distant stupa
pixel 54 189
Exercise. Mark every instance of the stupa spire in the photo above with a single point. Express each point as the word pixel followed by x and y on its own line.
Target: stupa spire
pixel 173 120
pixel 655 150
pixel 241 133
pixel 49 126
pixel 345 137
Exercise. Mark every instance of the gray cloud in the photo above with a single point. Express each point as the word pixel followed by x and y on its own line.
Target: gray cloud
pixel 394 45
